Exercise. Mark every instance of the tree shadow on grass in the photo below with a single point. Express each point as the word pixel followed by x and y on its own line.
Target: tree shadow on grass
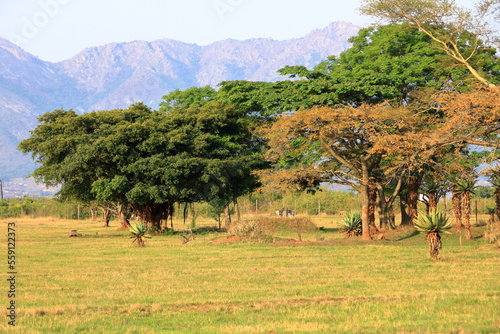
pixel 410 234
pixel 328 230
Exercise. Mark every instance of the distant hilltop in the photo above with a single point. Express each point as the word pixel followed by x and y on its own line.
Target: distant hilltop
pixel 119 74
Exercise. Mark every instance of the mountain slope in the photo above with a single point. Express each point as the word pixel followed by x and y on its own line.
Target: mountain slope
pixel 119 74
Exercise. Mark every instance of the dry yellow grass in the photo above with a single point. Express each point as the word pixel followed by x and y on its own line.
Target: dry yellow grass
pixel 99 282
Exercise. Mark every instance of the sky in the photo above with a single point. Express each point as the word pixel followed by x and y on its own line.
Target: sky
pixel 54 30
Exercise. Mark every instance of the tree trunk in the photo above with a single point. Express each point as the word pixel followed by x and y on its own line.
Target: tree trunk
pixel 466 208
pixel 168 214
pixel 193 220
pixel 433 200
pixel 457 208
pixel 406 218
pixel 434 241
pixel 106 215
pixel 409 202
pixel 390 214
pixel 496 195
pixel 371 209
pixel 365 219
pixel 93 213
pixel 151 214
pixel 123 216
pixel 227 218
pixel 384 211
pixel 413 186
pixel 237 210
pixel 185 213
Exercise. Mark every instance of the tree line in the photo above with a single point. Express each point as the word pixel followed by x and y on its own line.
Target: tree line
pixel 411 108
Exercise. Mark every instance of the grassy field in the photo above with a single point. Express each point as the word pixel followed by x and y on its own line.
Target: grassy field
pixel 100 283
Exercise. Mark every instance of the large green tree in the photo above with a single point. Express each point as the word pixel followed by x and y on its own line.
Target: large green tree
pixel 143 158
pixel 395 62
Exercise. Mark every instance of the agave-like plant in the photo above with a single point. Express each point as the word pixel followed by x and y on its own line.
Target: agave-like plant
pixel 351 224
pixel 139 231
pixel 433 224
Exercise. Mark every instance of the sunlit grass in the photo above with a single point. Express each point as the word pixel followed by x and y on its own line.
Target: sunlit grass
pixel 101 283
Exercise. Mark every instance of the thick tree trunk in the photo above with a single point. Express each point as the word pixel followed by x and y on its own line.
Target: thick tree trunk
pixel 433 200
pixel 413 186
pixel 123 216
pixel 365 219
pixel 371 209
pixel 406 218
pixel 151 214
pixel 434 242
pixel 385 212
pixel 391 215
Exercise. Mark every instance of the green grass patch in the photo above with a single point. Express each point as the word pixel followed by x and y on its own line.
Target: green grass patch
pixel 100 282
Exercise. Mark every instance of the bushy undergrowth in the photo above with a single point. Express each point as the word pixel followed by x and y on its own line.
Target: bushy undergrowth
pixel 492 233
pixel 269 227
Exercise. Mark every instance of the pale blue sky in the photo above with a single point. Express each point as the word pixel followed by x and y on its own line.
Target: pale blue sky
pixel 58 29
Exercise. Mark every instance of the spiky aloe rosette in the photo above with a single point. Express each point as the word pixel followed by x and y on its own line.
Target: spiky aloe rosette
pixel 433 224
pixel 139 231
pixel 351 224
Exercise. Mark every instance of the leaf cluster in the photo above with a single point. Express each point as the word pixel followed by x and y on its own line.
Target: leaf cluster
pixel 435 221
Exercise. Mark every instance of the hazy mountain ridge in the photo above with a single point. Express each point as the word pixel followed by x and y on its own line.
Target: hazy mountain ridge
pixel 119 74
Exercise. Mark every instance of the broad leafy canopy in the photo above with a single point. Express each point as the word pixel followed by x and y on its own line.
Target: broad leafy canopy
pixel 142 156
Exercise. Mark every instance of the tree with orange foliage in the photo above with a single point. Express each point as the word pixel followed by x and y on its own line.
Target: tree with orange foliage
pixel 346 140
pixel 378 144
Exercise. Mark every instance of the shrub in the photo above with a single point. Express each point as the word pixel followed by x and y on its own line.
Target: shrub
pixel 265 227
pixel 248 229
pixel 492 233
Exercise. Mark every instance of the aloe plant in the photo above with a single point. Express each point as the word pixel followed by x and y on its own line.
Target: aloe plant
pixel 351 224
pixel 139 231
pixel 433 224
pixel 465 189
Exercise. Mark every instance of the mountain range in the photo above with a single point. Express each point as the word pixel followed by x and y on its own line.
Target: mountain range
pixel 118 74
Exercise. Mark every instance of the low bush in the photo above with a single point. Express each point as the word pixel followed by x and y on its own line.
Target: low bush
pixel 492 233
pixel 265 227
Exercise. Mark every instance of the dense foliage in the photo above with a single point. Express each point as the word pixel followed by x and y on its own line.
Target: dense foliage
pixel 144 159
